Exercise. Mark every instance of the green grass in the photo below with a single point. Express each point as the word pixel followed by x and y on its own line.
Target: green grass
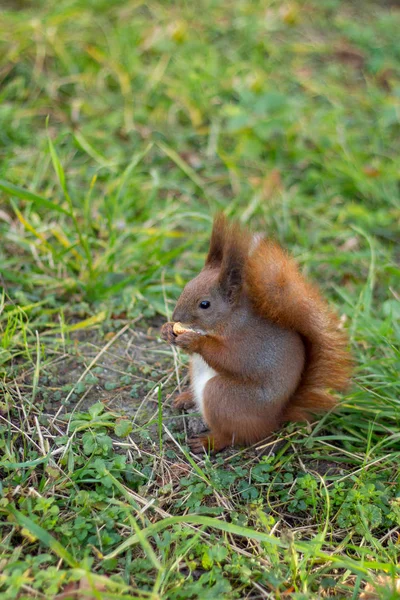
pixel 123 127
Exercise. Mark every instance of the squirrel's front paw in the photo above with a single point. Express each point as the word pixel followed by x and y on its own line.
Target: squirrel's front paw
pixel 188 341
pixel 167 333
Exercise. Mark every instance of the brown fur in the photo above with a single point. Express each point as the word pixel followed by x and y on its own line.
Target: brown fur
pixel 217 242
pixel 281 294
pixel 271 338
pixel 255 422
pixel 184 400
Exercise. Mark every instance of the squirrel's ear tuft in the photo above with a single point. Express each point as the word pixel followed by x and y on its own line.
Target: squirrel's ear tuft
pixel 233 264
pixel 217 242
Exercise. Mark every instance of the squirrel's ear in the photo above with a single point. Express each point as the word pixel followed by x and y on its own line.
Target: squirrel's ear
pixel 217 242
pixel 233 264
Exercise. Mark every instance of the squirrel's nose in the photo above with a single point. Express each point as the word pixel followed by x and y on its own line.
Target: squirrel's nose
pixel 179 314
pixel 176 315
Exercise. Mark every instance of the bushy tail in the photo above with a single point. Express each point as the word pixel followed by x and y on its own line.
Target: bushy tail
pixel 281 294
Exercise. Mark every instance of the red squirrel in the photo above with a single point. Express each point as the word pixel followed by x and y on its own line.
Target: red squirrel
pixel 265 346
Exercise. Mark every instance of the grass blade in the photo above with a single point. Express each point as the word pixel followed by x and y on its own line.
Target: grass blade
pixel 303 547
pixel 14 190
pixel 160 418
pixel 43 536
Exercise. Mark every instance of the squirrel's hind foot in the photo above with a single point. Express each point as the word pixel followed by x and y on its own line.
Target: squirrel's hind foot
pixel 208 442
pixel 184 400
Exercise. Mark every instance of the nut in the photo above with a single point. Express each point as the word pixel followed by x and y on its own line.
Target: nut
pixel 178 328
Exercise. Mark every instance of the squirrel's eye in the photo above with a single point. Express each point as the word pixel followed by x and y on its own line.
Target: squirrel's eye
pixel 204 304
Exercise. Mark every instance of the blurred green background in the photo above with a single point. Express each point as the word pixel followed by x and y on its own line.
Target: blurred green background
pixel 284 114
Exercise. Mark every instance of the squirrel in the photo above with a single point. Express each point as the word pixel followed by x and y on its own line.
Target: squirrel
pixel 265 346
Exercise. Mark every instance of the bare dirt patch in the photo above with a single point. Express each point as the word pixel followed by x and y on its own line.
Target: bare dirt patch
pixel 124 372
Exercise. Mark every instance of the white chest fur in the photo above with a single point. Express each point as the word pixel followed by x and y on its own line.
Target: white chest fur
pixel 201 374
